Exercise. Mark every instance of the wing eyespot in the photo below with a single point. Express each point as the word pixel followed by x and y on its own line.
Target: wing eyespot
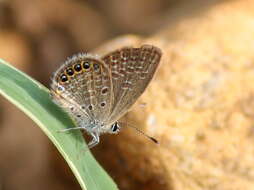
pixel 69 71
pixel 78 67
pixel 63 78
pixel 86 65
pixel 103 104
pixel 90 107
pixel 96 66
pixel 104 90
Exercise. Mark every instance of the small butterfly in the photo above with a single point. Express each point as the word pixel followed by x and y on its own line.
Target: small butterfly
pixel 97 91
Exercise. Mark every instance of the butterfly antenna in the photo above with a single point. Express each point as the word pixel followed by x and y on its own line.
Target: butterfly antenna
pixel 142 133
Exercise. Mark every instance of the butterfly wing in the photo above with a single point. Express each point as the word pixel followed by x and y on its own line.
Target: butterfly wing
pixel 83 86
pixel 131 70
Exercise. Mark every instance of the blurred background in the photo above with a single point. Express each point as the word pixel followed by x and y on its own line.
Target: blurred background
pixel 200 106
pixel 36 36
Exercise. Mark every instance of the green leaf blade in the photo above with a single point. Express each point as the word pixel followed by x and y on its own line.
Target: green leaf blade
pixel 34 100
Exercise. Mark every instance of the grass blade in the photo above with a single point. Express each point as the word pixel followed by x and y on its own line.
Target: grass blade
pixel 33 98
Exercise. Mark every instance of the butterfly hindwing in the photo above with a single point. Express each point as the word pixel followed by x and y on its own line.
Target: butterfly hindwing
pixel 84 86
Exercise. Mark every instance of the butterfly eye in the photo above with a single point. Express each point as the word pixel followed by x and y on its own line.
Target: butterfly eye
pixel 115 127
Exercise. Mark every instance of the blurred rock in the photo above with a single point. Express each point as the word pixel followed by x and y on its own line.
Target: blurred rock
pixel 6 19
pixel 14 48
pixel 86 26
pixel 134 16
pixel 199 106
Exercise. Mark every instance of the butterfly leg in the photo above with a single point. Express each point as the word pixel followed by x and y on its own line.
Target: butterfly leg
pixel 72 128
pixel 94 141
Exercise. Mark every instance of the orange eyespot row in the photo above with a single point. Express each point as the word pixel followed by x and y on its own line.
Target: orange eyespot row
pixel 78 68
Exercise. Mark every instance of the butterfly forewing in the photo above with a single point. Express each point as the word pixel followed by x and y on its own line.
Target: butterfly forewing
pixel 131 70
pixel 83 86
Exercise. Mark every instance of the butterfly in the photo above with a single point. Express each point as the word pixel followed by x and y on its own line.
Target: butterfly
pixel 97 90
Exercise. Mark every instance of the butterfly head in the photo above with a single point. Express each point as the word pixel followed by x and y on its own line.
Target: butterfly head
pixel 114 128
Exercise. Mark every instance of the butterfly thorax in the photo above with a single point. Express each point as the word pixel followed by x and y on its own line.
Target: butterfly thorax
pixel 92 126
